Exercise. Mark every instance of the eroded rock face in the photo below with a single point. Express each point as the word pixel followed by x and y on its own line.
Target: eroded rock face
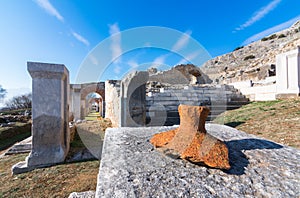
pixel 255 61
pixel 191 141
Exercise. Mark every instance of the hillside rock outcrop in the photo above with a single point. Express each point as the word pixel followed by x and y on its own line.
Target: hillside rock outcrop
pixel 255 61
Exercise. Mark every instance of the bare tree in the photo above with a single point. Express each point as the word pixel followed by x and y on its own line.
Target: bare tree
pixel 20 102
pixel 2 93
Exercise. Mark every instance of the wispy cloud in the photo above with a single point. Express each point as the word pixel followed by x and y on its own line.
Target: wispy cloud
pixel 188 58
pixel 117 69
pixel 81 38
pixel 271 30
pixel 259 14
pixel 160 60
pixel 182 41
pixel 133 64
pixel 93 59
pixel 115 46
pixel 50 9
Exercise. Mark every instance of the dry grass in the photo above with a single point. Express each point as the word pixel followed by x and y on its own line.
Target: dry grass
pixel 278 120
pixel 55 181
pixel 12 134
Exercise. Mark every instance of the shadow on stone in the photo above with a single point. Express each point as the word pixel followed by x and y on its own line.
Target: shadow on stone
pixel 234 124
pixel 238 160
pixel 92 142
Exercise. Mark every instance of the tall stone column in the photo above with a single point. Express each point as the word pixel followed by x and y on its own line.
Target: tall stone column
pixel 288 74
pixel 50 127
pixel 76 103
pixel 82 109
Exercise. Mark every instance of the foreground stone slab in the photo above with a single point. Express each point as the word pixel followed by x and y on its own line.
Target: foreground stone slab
pixel 87 194
pixel 191 141
pixel 131 167
pixel 21 147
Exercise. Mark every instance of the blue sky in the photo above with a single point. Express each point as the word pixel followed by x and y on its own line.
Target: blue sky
pixel 66 31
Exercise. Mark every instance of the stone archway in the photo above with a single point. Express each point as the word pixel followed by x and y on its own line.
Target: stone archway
pixel 78 94
pixel 86 89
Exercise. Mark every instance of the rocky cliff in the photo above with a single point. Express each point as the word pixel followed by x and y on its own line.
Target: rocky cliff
pixel 255 61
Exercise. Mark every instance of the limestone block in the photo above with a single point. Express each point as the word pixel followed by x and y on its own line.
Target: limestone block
pixel 288 74
pixel 130 167
pixel 50 114
pixel 75 100
pixel 112 110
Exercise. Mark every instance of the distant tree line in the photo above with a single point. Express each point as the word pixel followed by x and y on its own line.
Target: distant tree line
pixel 2 93
pixel 20 102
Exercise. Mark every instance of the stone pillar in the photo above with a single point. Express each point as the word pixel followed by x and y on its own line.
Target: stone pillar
pixel 50 127
pixel 82 109
pixel 133 100
pixel 75 97
pixel 112 101
pixel 288 74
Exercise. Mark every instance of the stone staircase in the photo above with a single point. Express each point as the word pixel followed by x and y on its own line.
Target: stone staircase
pixel 162 107
pixel 262 90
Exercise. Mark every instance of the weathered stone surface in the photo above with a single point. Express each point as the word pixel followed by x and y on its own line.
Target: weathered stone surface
pixel 133 99
pixel 21 167
pixel 20 147
pixel 130 167
pixel 235 67
pixel 191 141
pixel 112 103
pixel 180 74
pixel 50 114
pixel 87 194
pixel 288 70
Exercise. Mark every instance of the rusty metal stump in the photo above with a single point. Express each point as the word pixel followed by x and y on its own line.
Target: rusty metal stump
pixel 191 141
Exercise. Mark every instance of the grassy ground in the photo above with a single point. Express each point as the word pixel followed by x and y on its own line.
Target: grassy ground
pixel 275 120
pixel 12 134
pixel 92 116
pixel 55 181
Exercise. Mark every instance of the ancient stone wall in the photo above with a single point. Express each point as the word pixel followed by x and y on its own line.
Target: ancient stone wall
pixel 132 99
pixel 162 107
pixel 112 103
pixel 180 74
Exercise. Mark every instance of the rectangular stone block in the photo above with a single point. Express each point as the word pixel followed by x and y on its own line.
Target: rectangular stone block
pixel 131 167
pixel 288 74
pixel 50 115
pixel 50 127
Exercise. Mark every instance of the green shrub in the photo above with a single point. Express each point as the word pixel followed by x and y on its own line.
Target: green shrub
pixel 281 36
pixel 273 36
pixel 238 48
pixel 249 57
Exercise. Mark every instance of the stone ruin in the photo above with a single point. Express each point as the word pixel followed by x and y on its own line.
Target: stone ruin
pixel 125 102
pixel 50 113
